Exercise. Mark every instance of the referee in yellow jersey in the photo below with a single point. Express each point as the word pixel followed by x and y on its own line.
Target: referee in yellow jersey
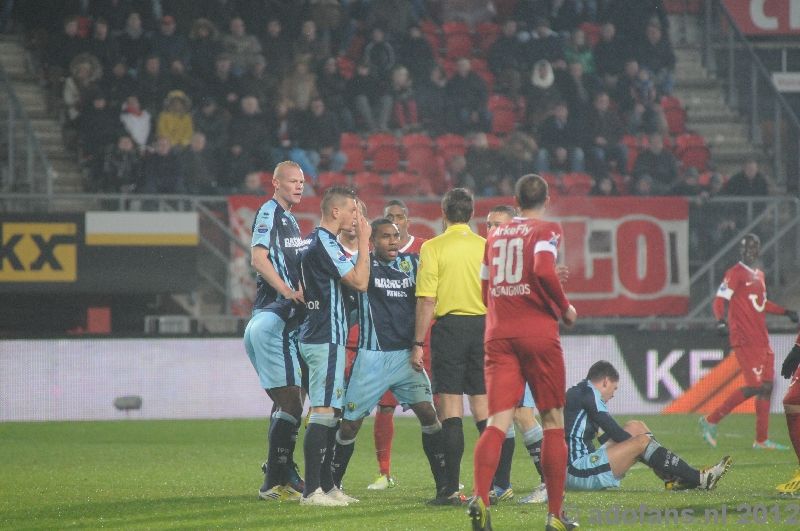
pixel 449 290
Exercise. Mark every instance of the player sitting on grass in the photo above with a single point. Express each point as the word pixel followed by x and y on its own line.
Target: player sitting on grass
pixel 622 446
pixel 791 406
pixel 386 315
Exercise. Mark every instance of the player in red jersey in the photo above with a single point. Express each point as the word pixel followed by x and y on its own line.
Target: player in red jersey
pixel 745 291
pixel 791 406
pixel 383 430
pixel 520 285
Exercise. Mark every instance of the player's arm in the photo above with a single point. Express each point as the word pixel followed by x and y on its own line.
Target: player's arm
pixel 771 307
pixel 544 267
pixel 358 277
pixel 724 294
pixel 603 419
pixel 427 287
pixel 261 262
pixel 792 361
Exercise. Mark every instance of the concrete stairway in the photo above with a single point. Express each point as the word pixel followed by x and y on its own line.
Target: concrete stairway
pixel 15 59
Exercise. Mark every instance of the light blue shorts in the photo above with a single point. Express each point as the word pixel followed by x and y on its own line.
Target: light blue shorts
pixel 527 398
pixel 374 372
pixel 271 346
pixel 326 364
pixel 592 472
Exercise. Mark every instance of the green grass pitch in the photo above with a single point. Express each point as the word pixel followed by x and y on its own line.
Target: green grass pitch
pixel 197 475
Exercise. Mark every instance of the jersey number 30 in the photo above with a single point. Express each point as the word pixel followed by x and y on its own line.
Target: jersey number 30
pixel 508 261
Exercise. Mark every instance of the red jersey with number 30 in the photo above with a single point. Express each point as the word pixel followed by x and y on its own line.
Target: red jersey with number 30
pixel 518 303
pixel 746 293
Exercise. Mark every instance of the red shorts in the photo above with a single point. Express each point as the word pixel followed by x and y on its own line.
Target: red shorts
pixel 758 365
pixel 792 397
pixel 509 363
pixel 388 399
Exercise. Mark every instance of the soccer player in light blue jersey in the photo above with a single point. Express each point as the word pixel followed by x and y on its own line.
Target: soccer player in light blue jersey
pixel 326 273
pixel 386 319
pixel 270 338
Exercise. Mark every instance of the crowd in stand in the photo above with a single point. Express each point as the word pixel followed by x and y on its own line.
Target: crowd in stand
pixel 194 96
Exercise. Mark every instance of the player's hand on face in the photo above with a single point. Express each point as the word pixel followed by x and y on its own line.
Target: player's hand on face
pixel 416 358
pixel 563 273
pixel 570 316
pixel 363 228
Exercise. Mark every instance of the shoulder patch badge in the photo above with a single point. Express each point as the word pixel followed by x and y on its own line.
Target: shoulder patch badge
pixel 405 265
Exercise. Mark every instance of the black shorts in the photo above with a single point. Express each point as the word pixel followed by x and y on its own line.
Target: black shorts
pixel 457 355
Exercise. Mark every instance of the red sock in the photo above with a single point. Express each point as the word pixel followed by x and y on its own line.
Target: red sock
pixel 793 422
pixel 384 433
pixel 762 420
pixel 554 468
pixel 487 455
pixel 726 407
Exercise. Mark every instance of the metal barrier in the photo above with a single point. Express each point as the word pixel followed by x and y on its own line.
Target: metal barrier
pixel 27 168
pixel 749 90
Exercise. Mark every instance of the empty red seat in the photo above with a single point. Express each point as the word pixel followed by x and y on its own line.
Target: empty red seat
pixel 350 139
pixel 452 143
pixel 265 178
pixel 368 184
pixel 592 32
pixel 403 183
pixel 676 120
pixel 576 183
pixel 330 178
pixel 485 35
pixel 355 158
pixel 415 139
pixel 692 150
pixel 384 157
pixel 381 139
pixel 504 114
pixel 420 157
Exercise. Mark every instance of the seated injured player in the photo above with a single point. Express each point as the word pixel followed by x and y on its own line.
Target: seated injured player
pixel 621 446
pixel 386 319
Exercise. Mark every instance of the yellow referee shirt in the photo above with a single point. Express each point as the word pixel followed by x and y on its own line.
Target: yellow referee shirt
pixel 449 269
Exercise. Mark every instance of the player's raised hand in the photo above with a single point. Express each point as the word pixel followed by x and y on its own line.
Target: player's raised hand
pixel 362 228
pixel 722 328
pixel 791 362
pixel 792 315
pixel 569 316
pixel 563 274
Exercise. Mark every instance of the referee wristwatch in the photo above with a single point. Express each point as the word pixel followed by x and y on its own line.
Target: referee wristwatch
pixel 419 343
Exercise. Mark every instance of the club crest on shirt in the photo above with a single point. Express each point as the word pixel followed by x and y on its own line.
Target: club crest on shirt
pixel 284 222
pixel 594 458
pixel 338 393
pixel 405 266
pixel 351 406
pixel 554 239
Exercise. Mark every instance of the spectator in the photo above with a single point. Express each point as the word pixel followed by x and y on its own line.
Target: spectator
pixel 415 52
pixel 380 55
pixel 609 56
pixel 690 184
pixel 163 173
pixel 405 106
pixel 542 95
pixel 577 89
pixel 636 97
pixel 331 87
pixel 204 47
pixel 286 128
pixel 179 79
pixel 103 46
pixel 152 85
pixel 169 44
pixel 370 102
pixel 300 87
pixel 396 16
pixel 656 55
pixel 560 143
pixel 98 128
pixel 458 175
pixel 252 184
pixel 604 137
pixel 431 100
pixel 136 121
pixel 122 168
pixel 518 157
pixel 277 49
pixel 86 73
pixel 259 82
pixel 200 166
pixel 212 121
pixel 578 50
pixel 310 47
pixel 332 22
pixel 224 87
pixel 61 50
pixel 749 182
pixel 528 12
pixel 134 43
pixel 467 98
pixel 545 43
pixel 321 137
pixel 564 15
pixel 644 186
pixel 506 52
pixel 470 12
pixel 717 226
pixel 118 84
pixel 631 17
pixel 250 137
pixel 657 163
pixel 241 47
pixel 604 187
pixel 484 164
pixel 175 121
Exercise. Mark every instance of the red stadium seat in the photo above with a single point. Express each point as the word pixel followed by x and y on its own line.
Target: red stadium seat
pixel 347 67
pixel 552 183
pixel 265 178
pixel 692 150
pixel 402 183
pixel 415 139
pixel 351 139
pixel 428 27
pixel 577 183
pixel 421 158
pixel 384 157
pixel 452 143
pixel 456 27
pixel 457 45
pixel 622 184
pixel 504 114
pixel 448 66
pixel 381 139
pixel 355 158
pixel 485 35
pixel 369 184
pixel 479 65
pixel 592 32
pixel 676 120
pixel 330 178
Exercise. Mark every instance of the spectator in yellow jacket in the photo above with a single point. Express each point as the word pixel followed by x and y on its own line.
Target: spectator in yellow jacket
pixel 175 121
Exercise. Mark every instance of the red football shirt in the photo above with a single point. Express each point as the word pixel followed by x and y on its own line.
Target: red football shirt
pixel 518 305
pixel 746 293
pixel 413 245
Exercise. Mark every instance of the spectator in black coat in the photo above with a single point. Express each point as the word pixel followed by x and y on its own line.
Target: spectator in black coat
pixel 213 122
pixel 631 17
pixel 122 168
pixel 467 98
pixel 62 48
pixel 118 84
pixel 223 86
pixel 528 12
pixel 577 89
pixel 250 138
pixel 610 53
pixel 380 56
pixel 604 137
pixel 285 127
pixel 369 101
pixel 276 48
pixel 310 46
pixel 659 164
pixel 748 182
pixel 152 85
pixel 169 44
pixel 415 53
pixel 506 52
pixel 204 47
pixel 545 44
pixel 163 172
pixel 656 54
pixel 431 100
pixel 564 16
pixel 201 167
pixel 560 143
pixel 103 45
pixel 542 95
pixel 134 43
pixel 98 128
pixel 396 16
pixel 320 137
pixel 331 88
